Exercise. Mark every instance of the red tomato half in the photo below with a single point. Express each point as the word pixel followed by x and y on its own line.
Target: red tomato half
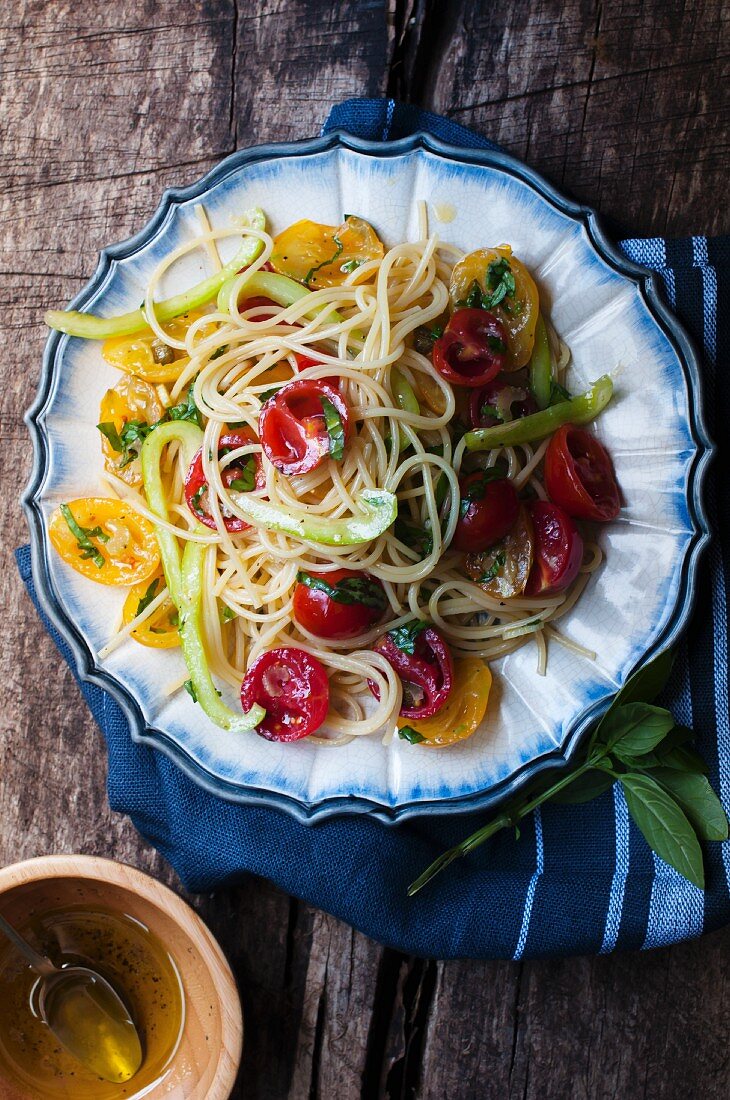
pixel 292 427
pixel 196 487
pixel 579 475
pixel 557 550
pixel 293 688
pixel 488 511
pixel 499 401
pixel 472 350
pixel 427 673
pixel 340 604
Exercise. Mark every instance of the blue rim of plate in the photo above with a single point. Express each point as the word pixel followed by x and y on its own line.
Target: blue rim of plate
pixel 340 805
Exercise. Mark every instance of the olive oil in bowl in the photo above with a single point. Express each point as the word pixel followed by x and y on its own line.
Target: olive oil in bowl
pixel 131 958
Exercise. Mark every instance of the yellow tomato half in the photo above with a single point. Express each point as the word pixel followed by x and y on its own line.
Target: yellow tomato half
pixel 145 355
pixel 130 399
pixel 324 255
pixel 518 311
pixel 159 631
pixel 464 709
pixel 113 544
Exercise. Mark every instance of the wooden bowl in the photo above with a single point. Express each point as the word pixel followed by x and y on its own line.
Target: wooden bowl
pixel 206 1061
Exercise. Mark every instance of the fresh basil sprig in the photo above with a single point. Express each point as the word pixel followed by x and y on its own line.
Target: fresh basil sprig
pixel 638 745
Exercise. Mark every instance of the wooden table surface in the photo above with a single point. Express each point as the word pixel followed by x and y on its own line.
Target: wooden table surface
pixel 103 106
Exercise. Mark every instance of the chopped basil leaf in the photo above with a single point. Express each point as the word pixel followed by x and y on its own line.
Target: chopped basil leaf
pixel 218 352
pixel 558 393
pixel 187 409
pixel 424 338
pixel 495 344
pixel 442 487
pixel 501 283
pixel 190 688
pixel 226 614
pixel 84 535
pixel 499 560
pixel 348 590
pixel 476 488
pixel 173 618
pixel 351 265
pixel 124 441
pixel 195 499
pixel 407 733
pixel 405 636
pixel 263 397
pixel 491 410
pixel 247 481
pixel 148 596
pixel 413 535
pixel 325 263
pixel 335 429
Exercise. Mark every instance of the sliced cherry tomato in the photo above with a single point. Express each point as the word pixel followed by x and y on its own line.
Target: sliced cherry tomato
pixel 292 425
pixel 294 690
pixel 464 710
pixel 128 409
pixel 558 550
pixel 324 255
pixel 243 475
pixel 579 475
pixel 488 510
pixel 105 540
pixel 498 402
pixel 340 604
pixel 472 349
pixel 146 356
pixel 159 631
pixel 423 661
pixel 505 287
pixel 502 571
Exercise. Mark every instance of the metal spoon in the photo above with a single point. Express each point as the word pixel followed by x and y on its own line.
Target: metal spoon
pixel 85 1014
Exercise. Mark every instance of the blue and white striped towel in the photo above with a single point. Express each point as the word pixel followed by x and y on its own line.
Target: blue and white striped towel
pixel 581 879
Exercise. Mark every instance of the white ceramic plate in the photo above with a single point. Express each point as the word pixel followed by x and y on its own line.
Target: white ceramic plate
pixel 604 307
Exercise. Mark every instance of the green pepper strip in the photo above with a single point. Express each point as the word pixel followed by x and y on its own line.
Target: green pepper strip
pixel 185 577
pixel 541 371
pixel 405 399
pixel 91 327
pixel 578 410
pixel 381 509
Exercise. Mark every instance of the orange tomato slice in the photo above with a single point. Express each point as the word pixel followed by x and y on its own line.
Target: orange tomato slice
pixel 324 255
pixel 109 543
pixel 141 354
pixel 464 709
pixel 159 631
pixel 517 311
pixel 130 400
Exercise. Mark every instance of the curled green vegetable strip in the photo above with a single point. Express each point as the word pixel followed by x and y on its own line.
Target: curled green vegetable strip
pixel 279 288
pixel 405 399
pixel 541 372
pixel 381 509
pixel 91 327
pixel 528 429
pixel 184 576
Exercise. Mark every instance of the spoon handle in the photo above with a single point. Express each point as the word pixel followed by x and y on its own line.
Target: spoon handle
pixel 39 962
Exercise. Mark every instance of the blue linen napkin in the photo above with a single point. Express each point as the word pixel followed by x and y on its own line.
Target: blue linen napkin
pixel 580 879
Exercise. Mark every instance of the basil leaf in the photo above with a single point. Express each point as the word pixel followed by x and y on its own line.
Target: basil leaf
pixel 405 636
pixel 247 481
pixel 634 729
pixel 226 614
pixel 587 787
pixel 84 535
pixel 643 686
pixel 413 535
pixel 407 733
pixel 664 826
pixel 442 487
pixel 500 559
pixel 558 394
pixel 493 411
pixel 218 352
pixel 325 263
pixel 335 429
pixel 190 688
pixel 148 596
pixel 348 590
pixel 263 397
pixel 351 265
pixel 500 283
pixel 187 409
pixel 108 429
pixel 698 800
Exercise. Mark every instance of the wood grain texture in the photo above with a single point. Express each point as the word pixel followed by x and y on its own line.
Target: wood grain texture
pixel 101 107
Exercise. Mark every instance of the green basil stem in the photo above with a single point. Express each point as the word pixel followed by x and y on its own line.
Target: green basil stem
pixel 405 399
pixel 504 821
pixel 577 410
pixel 541 371
pixel 381 509
pixel 91 327
pixel 184 575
